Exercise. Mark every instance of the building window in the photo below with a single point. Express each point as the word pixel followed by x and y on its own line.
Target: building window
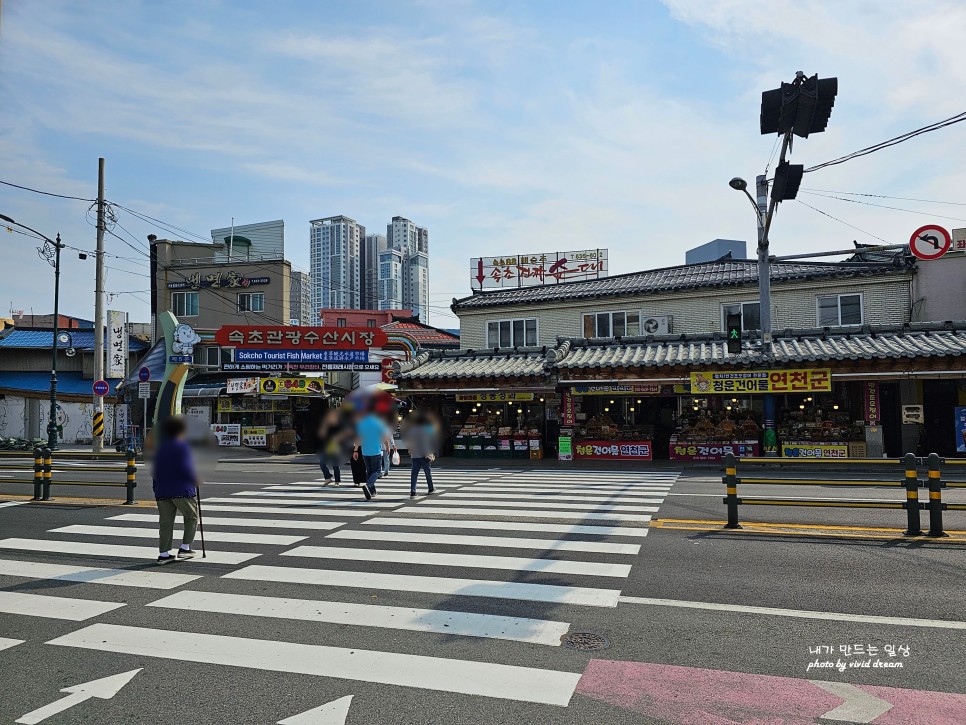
pixel 750 315
pixel 370 322
pixel 512 333
pixel 612 324
pixel 836 310
pixel 212 356
pixel 340 322
pixel 184 304
pixel 251 302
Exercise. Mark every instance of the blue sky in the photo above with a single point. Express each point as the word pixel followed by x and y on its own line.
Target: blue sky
pixel 504 127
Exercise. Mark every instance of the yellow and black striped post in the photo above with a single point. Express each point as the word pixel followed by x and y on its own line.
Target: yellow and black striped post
pixel 731 499
pixel 38 474
pixel 132 468
pixel 935 498
pixel 97 428
pixel 912 496
pixel 48 470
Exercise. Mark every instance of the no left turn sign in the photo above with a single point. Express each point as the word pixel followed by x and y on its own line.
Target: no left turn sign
pixel 930 242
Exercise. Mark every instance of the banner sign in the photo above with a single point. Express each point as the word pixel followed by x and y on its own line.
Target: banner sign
pixel 492 397
pixel 870 393
pixel 960 421
pixel 528 270
pixel 610 451
pixel 567 414
pixel 635 389
pixel 254 437
pixel 284 337
pixel 815 450
pixel 228 434
pixel 117 344
pixel 265 367
pixel 291 386
pixel 710 451
pixel 301 356
pixel 236 386
pixel 810 380
pixel 231 280
pixel 252 405
pixel 565 450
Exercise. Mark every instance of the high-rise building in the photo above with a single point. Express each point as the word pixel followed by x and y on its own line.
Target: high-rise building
pixel 300 297
pixel 334 258
pixel 404 268
pixel 372 247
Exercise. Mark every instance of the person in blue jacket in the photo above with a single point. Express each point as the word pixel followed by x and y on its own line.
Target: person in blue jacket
pixel 175 489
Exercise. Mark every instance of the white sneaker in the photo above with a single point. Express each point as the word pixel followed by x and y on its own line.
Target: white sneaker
pixel 328 482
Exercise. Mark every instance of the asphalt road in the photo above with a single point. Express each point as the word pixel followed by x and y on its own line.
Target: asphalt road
pixel 687 640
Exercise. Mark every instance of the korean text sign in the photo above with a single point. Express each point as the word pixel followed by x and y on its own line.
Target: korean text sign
pixel 613 450
pixel 810 380
pixel 291 386
pixel 300 338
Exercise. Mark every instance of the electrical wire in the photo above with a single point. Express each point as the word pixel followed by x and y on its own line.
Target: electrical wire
pixel 842 222
pixel 882 196
pixel 45 193
pixel 884 206
pixel 958 118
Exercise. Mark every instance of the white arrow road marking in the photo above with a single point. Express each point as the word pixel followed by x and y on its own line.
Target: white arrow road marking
pixel 331 713
pixel 859 706
pixel 104 688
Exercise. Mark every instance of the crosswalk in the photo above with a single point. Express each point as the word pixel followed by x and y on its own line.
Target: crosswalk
pixel 489 544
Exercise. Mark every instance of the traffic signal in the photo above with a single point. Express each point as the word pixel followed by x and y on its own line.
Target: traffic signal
pixel 788 177
pixel 733 323
pixel 802 107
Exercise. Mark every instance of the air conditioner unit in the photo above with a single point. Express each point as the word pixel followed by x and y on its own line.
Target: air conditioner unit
pixel 657 325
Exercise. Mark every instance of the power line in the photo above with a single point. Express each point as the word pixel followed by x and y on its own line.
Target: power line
pixel 45 193
pixel 841 222
pixel 958 118
pixel 884 206
pixel 883 196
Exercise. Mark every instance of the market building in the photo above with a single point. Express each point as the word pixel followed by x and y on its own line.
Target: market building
pixel 637 366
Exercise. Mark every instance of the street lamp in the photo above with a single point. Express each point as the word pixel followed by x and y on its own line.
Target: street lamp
pixel 51 252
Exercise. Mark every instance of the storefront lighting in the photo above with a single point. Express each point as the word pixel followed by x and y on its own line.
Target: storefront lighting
pixel 612 402
pixel 541 400
pixel 835 407
pixel 729 407
pixel 808 399
pixel 457 411
pixel 498 412
pixel 519 410
pixel 638 402
pixel 802 407
pixel 734 400
pixel 632 408
pixel 607 410
pixel 696 407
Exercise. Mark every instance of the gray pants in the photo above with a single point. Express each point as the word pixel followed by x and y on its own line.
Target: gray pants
pixel 167 508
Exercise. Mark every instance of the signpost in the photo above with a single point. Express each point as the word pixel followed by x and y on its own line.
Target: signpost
pixel 930 242
pixel 100 388
pixel 532 269
pixel 144 375
pixel 144 391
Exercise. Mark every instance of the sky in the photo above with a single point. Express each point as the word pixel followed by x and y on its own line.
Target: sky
pixel 505 127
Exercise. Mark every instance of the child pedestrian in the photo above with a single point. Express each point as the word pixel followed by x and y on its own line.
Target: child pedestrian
pixel 175 489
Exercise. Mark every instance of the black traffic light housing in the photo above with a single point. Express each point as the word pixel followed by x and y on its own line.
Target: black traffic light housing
pixel 802 107
pixel 788 177
pixel 733 323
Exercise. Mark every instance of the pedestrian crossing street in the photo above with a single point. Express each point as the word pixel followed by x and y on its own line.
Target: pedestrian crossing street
pixel 564 539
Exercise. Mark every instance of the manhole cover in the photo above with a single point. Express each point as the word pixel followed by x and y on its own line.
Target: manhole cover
pixel 585 641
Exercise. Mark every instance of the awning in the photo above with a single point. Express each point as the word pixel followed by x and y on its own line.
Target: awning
pixel 155 361
pixel 203 391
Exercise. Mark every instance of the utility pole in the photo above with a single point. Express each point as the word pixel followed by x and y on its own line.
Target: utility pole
pixel 52 420
pixel 99 314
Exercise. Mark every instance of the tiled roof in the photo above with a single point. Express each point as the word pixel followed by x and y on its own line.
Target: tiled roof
pixel 438 365
pixel 83 340
pixel 67 383
pixel 425 335
pixel 909 341
pixel 671 279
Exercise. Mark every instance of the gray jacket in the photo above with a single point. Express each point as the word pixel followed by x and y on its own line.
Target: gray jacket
pixel 420 440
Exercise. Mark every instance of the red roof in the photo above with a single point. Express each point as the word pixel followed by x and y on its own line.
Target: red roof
pixel 425 335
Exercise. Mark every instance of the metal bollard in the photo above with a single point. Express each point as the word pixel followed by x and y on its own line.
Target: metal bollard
pixel 935 498
pixel 48 470
pixel 731 481
pixel 131 473
pixel 38 474
pixel 912 496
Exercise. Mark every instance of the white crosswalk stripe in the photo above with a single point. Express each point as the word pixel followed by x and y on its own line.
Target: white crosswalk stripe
pixel 7 643
pixel 435 563
pixel 51 607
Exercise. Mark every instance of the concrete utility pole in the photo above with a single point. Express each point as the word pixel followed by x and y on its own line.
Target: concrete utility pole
pixel 100 319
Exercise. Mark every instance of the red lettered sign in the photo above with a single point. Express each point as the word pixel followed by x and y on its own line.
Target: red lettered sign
pixel 283 337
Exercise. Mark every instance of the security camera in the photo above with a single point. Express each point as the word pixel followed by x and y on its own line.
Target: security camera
pixel 738 184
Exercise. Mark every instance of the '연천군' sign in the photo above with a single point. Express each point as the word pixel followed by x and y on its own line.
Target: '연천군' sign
pixel 811 380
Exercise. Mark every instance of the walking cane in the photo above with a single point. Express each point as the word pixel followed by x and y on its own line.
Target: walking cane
pixel 201 526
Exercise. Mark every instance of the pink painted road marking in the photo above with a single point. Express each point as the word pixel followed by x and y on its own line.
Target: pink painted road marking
pixel 687 695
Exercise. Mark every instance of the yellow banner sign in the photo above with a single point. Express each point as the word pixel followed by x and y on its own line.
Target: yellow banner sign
pixel 492 397
pixel 815 450
pixel 810 380
pixel 291 386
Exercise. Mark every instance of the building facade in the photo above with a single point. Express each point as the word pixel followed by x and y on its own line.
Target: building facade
pixel 404 268
pixel 373 246
pixel 300 299
pixel 250 242
pixel 334 260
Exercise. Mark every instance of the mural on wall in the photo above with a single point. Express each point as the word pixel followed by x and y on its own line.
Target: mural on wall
pixel 75 420
pixel 12 417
